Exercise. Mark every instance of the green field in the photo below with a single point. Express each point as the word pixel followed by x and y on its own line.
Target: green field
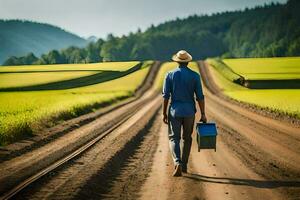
pixel 11 80
pixel 168 66
pixel 22 112
pixel 266 68
pixel 285 101
pixel 226 71
pixel 24 76
pixel 115 66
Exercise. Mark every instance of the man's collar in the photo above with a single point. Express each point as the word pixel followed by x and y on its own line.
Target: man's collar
pixel 182 66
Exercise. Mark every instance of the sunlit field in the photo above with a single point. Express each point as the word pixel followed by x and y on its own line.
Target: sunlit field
pixel 8 80
pixel 114 66
pixel 21 112
pixel 285 101
pixel 266 68
pixel 21 76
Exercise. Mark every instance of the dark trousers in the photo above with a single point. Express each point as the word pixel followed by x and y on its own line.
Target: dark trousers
pixel 174 128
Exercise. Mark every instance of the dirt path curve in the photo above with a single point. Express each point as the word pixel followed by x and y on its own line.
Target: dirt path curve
pixel 257 158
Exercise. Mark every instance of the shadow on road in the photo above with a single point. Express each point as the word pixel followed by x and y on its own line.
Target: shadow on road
pixel 246 182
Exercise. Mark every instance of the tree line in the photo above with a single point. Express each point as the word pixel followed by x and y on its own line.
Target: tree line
pixel 264 31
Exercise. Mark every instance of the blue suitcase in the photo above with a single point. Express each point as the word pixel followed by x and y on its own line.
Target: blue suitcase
pixel 206 135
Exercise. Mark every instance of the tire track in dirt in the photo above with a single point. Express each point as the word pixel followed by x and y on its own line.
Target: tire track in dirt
pixel 92 174
pixel 260 162
pixel 136 167
pixel 263 138
pixel 224 176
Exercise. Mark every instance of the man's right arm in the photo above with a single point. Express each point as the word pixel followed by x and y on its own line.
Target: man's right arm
pixel 165 107
pixel 201 104
pixel 200 99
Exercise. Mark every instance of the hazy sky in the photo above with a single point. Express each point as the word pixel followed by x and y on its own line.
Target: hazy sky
pixel 100 17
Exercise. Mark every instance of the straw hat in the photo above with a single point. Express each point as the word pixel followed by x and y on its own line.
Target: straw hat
pixel 182 56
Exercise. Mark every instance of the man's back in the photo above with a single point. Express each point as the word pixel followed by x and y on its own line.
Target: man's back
pixel 181 85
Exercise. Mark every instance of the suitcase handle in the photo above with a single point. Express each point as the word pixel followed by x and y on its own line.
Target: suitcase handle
pixel 202 121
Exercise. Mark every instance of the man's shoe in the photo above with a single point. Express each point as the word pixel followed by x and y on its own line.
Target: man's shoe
pixel 177 171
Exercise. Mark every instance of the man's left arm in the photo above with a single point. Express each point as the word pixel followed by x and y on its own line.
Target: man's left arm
pixel 165 107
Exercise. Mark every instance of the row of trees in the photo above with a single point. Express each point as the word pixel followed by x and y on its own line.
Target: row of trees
pixel 89 54
pixel 267 31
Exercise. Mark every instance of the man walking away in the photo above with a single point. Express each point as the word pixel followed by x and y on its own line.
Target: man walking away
pixel 182 85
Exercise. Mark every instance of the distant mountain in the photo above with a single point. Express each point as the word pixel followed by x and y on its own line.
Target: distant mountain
pixel 18 38
pixel 92 39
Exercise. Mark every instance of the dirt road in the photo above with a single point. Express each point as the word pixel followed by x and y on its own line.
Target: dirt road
pixel 257 158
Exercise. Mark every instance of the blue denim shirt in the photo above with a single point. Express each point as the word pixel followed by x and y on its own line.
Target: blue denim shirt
pixel 182 85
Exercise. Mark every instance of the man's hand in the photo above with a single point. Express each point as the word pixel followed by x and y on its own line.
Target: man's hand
pixel 165 118
pixel 202 110
pixel 203 118
pixel 165 107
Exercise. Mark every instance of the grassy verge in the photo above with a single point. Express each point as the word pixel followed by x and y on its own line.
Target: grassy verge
pixel 227 72
pixel 21 113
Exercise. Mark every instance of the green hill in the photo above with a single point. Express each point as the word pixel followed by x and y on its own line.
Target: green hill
pixel 264 31
pixel 18 38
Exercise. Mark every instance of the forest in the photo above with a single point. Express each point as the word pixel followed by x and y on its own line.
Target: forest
pixel 271 30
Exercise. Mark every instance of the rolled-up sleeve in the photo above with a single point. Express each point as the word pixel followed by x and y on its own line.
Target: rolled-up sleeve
pixel 198 89
pixel 166 87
